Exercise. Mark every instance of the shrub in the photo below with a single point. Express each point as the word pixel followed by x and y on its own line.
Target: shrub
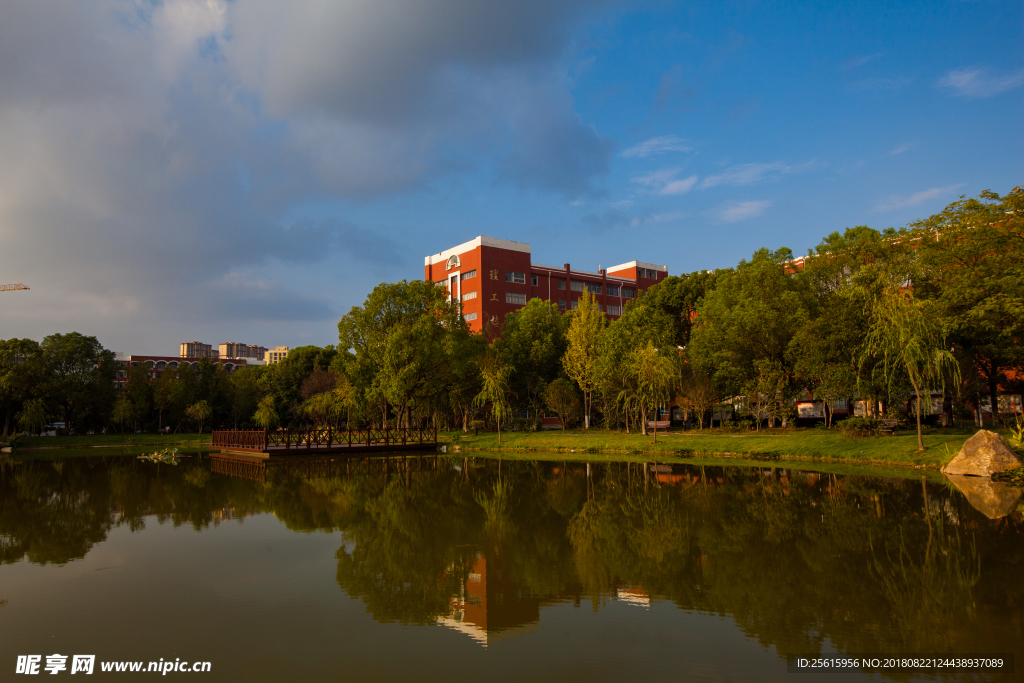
pixel 858 426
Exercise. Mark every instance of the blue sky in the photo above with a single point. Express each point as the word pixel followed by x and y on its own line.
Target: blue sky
pixel 247 171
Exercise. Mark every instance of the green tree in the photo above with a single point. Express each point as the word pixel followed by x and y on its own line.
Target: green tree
pixel 697 393
pixel 138 392
pixel 33 416
pixel 653 372
pixel 906 337
pixel 750 316
pixel 124 412
pixel 641 324
pixel 266 413
pixel 560 396
pixel 163 393
pixel 532 342
pixel 580 360
pixel 765 391
pixel 199 412
pixel 21 373
pixel 494 389
pixel 79 376
pixel 404 337
pixel 678 296
pixel 971 259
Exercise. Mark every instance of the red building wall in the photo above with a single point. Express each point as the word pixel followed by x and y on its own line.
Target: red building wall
pixel 492 260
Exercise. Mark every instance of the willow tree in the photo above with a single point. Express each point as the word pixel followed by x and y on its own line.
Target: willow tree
pixel 266 413
pixel 653 372
pixel 494 380
pixel 907 340
pixel 580 360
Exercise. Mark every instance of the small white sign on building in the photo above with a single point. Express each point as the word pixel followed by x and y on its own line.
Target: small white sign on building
pixel 808 409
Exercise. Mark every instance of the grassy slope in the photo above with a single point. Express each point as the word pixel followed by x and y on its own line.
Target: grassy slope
pixel 803 444
pixel 109 440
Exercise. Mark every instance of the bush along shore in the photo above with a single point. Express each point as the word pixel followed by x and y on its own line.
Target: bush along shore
pixel 777 444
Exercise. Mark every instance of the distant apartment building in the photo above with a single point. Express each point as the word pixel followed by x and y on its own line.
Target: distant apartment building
pixel 237 350
pixel 194 349
pixel 276 355
pixel 491 277
pixel 157 364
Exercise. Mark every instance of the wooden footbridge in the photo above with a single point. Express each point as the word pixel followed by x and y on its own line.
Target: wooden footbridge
pixel 324 440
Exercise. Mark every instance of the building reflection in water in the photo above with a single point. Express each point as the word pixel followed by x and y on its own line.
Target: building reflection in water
pixel 490 606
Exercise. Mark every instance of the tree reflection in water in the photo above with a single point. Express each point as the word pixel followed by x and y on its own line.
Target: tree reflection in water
pixel 795 558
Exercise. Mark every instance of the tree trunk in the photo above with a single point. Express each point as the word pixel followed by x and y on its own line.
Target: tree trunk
pixel 920 438
pixel 993 393
pixel 656 416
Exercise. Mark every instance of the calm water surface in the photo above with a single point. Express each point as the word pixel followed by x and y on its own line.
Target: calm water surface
pixel 441 570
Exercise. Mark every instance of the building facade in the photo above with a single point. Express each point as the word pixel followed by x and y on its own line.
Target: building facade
pixel 237 350
pixel 194 349
pixel 276 355
pixel 491 277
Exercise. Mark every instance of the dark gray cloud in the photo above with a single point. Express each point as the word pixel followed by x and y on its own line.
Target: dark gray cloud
pixel 152 154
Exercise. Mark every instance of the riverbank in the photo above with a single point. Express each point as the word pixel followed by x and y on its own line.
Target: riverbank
pixel 791 444
pixel 109 441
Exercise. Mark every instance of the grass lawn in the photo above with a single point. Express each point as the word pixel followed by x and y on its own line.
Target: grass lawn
pixel 790 444
pixel 97 440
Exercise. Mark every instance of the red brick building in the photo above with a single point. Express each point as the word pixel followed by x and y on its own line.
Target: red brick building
pixel 492 277
pixel 157 364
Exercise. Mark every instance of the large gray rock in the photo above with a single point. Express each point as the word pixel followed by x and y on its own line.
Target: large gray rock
pixel 994 499
pixel 983 455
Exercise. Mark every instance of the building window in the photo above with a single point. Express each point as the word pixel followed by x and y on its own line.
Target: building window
pixel 534 280
pixel 574 304
pixel 561 283
pixel 468 295
pixel 468 274
pixel 613 310
pixel 593 289
pixel 612 291
pixel 627 292
pixel 561 304
pixel 648 273
pixel 512 276
pixel 576 286
pixel 469 316
pixel 453 262
pixel 515 298
pixel 534 297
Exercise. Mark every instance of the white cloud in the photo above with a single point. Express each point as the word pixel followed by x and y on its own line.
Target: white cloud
pixel 901 149
pixel 901 202
pixel 977 82
pixel 665 182
pixel 855 62
pixel 747 174
pixel 151 154
pixel 660 145
pixel 881 83
pixel 733 212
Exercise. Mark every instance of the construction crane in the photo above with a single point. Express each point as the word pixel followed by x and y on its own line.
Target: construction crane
pixel 11 288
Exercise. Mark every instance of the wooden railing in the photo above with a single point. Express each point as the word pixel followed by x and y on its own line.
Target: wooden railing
pixel 322 437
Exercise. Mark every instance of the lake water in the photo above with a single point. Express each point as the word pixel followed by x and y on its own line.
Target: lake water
pixel 441 569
